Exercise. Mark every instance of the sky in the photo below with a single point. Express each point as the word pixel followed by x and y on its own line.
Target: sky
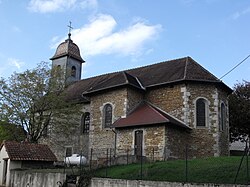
pixel 115 35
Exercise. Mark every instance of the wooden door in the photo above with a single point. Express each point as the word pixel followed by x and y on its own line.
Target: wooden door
pixel 138 142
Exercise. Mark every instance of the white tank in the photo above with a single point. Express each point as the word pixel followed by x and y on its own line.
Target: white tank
pixel 75 159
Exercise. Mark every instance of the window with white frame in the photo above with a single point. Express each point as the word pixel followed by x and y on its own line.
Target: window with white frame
pixel 85 123
pixel 201 112
pixel 107 115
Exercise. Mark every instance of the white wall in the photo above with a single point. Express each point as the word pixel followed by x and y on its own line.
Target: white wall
pixel 3 155
pixel 10 165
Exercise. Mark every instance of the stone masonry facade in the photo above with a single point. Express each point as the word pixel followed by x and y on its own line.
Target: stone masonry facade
pixel 160 142
pixel 166 141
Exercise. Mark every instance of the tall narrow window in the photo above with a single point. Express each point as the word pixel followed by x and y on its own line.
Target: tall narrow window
pixel 201 113
pixel 107 112
pixel 222 116
pixel 85 123
pixel 73 71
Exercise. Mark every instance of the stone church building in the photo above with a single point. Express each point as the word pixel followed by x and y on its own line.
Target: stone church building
pixel 162 107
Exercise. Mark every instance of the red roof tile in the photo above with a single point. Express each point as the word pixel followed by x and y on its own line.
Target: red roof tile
pixel 147 114
pixel 28 151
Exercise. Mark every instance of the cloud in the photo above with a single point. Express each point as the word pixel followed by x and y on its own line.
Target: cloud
pixel 11 65
pixel 238 14
pixel 91 4
pixel 15 62
pixel 100 37
pixel 46 6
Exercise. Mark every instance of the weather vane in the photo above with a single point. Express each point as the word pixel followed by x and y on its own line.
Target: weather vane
pixel 70 28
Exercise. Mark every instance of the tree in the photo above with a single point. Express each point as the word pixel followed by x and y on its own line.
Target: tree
pixel 239 111
pixel 34 100
pixel 10 131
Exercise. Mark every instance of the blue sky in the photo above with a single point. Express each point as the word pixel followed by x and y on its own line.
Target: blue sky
pixel 116 35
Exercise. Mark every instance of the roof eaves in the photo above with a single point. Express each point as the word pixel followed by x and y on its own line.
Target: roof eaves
pixel 164 83
pixel 110 87
pixel 101 89
pixel 145 124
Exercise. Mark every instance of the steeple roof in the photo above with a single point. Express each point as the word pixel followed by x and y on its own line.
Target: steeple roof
pixel 68 48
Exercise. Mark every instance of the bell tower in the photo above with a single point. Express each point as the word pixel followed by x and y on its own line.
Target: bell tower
pixel 68 60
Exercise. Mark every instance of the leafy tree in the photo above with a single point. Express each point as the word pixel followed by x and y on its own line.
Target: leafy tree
pixel 34 100
pixel 239 111
pixel 10 131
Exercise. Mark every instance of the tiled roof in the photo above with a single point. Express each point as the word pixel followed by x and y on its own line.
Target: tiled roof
pixel 147 114
pixel 173 71
pixel 68 48
pixel 28 151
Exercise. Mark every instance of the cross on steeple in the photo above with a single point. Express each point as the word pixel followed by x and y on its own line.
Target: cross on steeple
pixel 70 28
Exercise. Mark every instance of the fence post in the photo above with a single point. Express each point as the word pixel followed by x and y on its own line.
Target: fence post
pixel 186 159
pixel 141 161
pixel 107 158
pixel 247 147
pixel 153 154
pixel 245 152
pixel 127 156
pixel 110 156
pixel 90 160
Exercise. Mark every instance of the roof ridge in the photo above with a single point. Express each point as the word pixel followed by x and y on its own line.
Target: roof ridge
pixel 155 109
pixel 125 76
pixel 185 71
pixel 204 69
pixel 126 70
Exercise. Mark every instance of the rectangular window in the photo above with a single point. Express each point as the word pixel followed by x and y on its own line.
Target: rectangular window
pixel 68 151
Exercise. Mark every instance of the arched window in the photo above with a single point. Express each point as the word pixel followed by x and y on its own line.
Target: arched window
pixel 107 114
pixel 73 71
pixel 201 113
pixel 222 116
pixel 85 123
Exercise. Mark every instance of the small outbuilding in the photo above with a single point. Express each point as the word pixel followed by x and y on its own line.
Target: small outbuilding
pixel 15 155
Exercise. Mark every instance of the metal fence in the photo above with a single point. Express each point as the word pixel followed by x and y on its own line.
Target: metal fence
pixel 188 167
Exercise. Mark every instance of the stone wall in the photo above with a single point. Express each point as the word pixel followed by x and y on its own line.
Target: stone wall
pixel 69 134
pixel 101 182
pixel 176 141
pixel 153 141
pixel 25 178
pixel 103 138
pixel 134 98
pixel 205 136
pixel 179 100
pixel 168 99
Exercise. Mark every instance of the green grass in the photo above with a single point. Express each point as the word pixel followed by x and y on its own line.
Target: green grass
pixel 210 170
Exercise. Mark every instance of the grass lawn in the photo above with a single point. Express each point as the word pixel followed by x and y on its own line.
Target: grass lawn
pixel 210 170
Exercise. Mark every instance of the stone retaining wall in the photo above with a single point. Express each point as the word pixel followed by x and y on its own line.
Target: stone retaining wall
pixel 26 178
pixel 101 182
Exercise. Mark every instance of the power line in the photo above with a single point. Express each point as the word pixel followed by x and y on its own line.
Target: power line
pixel 235 66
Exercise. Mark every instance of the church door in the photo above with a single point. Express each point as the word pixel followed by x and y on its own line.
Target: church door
pixel 138 143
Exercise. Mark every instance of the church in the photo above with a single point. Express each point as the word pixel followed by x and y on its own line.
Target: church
pixel 165 107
